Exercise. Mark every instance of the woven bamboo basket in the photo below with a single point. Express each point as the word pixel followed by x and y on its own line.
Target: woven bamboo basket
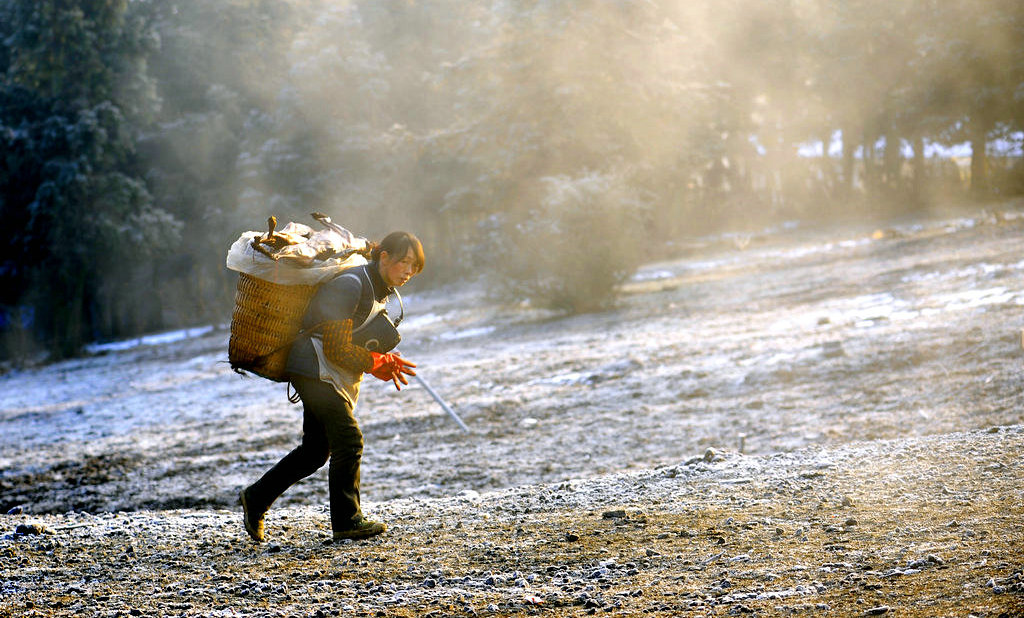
pixel 265 322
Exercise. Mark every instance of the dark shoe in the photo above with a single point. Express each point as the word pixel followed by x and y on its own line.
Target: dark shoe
pixel 253 520
pixel 362 530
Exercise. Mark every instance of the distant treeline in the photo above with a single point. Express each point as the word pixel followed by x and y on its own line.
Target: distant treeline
pixel 547 146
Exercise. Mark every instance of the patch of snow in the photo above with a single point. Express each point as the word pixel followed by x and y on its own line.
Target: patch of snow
pixel 652 275
pixel 419 321
pixel 565 379
pixel 970 299
pixel 147 340
pixel 469 332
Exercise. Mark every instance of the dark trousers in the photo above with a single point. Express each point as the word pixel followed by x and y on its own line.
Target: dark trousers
pixel 329 432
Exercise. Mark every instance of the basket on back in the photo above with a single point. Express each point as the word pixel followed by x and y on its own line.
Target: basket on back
pixel 278 273
pixel 266 320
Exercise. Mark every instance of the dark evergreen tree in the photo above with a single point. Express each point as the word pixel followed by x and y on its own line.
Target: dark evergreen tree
pixel 79 217
pixel 484 125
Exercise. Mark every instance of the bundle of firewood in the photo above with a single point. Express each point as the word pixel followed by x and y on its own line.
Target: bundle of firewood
pixel 301 245
pixel 296 254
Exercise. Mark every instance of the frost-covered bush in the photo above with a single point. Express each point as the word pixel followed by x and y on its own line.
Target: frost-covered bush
pixel 581 240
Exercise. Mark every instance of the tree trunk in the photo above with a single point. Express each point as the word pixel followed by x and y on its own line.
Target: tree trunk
pixel 891 163
pixel 917 188
pixel 68 328
pixel 849 146
pixel 868 161
pixel 979 159
pixel 830 180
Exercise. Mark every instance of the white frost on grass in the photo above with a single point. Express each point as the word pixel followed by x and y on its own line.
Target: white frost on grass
pixel 769 354
pixel 148 340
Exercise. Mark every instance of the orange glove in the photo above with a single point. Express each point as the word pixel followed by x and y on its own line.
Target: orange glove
pixel 392 367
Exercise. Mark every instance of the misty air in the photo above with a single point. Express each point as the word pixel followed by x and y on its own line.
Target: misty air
pixel 511 308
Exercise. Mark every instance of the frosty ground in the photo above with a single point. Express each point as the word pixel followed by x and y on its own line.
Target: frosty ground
pixel 795 421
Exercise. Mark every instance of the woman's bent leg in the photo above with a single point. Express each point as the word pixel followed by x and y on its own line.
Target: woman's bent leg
pixel 345 443
pixel 305 459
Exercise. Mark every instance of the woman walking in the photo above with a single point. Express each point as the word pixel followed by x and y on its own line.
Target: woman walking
pixel 326 367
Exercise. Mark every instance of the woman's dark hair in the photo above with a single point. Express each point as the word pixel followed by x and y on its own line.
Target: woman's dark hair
pixel 397 244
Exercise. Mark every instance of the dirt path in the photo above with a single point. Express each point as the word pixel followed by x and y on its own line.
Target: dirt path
pixel 863 387
pixel 918 527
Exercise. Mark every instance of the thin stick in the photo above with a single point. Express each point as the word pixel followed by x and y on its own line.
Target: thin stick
pixel 442 403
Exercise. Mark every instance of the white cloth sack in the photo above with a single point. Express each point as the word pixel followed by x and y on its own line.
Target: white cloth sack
pixel 298 271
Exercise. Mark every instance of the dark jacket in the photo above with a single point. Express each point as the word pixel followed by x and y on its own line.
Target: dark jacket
pixel 341 298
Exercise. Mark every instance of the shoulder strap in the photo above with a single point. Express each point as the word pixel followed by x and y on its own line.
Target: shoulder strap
pixel 401 305
pixel 375 307
pixel 351 275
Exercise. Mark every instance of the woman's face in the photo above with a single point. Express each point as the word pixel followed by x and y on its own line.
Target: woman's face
pixel 396 271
